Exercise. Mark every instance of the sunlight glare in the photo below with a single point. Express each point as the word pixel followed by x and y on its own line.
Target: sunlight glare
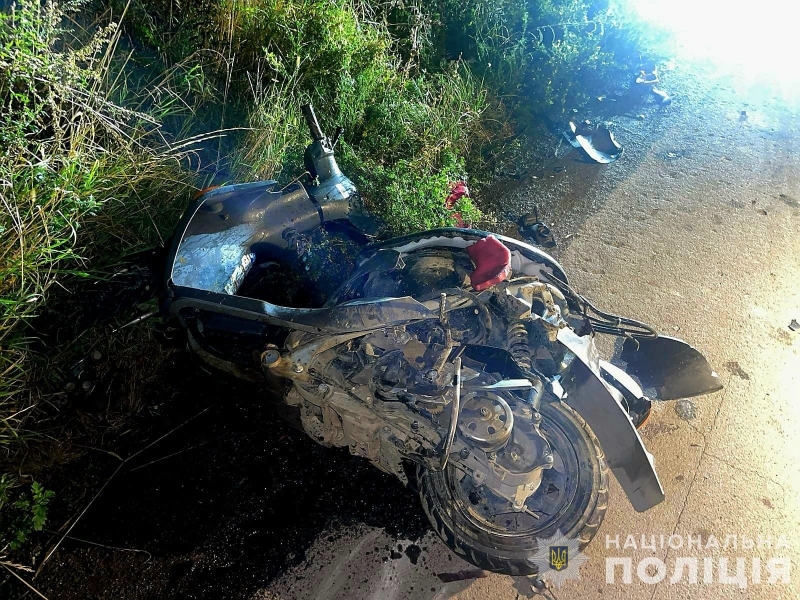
pixel 757 39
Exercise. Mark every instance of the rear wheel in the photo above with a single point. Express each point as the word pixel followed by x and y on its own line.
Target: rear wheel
pixel 571 500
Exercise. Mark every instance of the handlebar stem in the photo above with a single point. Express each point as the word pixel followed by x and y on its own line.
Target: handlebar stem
pixel 311 121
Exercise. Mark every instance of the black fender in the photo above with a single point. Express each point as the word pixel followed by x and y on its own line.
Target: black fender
pixel 669 368
pixel 601 406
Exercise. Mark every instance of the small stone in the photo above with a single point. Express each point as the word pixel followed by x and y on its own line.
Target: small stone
pixel 686 410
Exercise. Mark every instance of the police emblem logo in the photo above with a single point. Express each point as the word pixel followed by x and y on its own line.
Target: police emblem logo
pixel 559 557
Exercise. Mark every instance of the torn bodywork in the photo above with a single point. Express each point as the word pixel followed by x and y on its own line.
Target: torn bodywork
pixel 597 142
pixel 460 361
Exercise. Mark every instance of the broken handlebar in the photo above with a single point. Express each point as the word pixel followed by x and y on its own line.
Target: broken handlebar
pixel 311 120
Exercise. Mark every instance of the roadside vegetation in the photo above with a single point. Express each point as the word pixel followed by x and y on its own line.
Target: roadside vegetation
pixel 112 113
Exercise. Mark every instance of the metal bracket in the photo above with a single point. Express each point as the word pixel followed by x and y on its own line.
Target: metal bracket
pixel 600 405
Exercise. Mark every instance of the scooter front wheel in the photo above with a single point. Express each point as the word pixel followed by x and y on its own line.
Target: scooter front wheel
pixel 482 527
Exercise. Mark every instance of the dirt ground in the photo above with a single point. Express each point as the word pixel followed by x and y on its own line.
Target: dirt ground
pixel 696 230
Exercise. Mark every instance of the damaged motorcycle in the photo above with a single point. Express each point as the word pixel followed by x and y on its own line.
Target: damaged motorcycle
pixel 462 362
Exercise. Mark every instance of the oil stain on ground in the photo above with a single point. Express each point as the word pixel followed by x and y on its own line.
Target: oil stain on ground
pixel 734 368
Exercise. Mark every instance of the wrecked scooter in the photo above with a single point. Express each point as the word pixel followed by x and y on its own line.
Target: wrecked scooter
pixel 460 361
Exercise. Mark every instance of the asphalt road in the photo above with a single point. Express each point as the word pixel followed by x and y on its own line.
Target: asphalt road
pixel 696 230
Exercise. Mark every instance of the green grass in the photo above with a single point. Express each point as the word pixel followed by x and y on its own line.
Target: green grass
pixel 424 90
pixel 406 130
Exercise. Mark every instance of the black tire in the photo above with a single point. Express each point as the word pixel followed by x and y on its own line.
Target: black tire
pixel 583 507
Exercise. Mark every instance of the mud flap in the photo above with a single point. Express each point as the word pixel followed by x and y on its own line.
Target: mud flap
pixel 600 405
pixel 669 368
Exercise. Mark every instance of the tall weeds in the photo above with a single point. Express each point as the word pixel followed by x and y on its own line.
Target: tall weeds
pixel 402 123
pixel 80 176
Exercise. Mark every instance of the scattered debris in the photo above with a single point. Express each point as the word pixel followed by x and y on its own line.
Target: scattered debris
pixel 571 139
pixel 82 374
pixel 530 587
pixel 598 142
pixel 535 231
pixel 458 190
pixel 648 79
pixel 462 575
pixel 761 211
pixel 794 325
pixel 138 319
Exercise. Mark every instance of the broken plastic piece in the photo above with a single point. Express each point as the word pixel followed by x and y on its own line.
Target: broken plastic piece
pixel 535 231
pixel 662 96
pixel 598 143
pixel 458 190
pixel 668 368
pixel 649 78
pixel 492 262
pixel 794 325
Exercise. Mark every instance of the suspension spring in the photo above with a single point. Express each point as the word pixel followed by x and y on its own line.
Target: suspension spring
pixel 518 344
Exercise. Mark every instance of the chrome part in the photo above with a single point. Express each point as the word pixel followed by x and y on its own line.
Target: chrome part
pixel 486 420
pixel 518 344
pixel 499 386
pixel 455 412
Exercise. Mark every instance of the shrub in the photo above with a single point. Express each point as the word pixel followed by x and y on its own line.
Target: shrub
pixel 401 125
pixel 545 57
pixel 21 512
pixel 409 81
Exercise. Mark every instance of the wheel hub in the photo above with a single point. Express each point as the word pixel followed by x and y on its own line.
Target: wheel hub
pixel 486 421
pixel 535 504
